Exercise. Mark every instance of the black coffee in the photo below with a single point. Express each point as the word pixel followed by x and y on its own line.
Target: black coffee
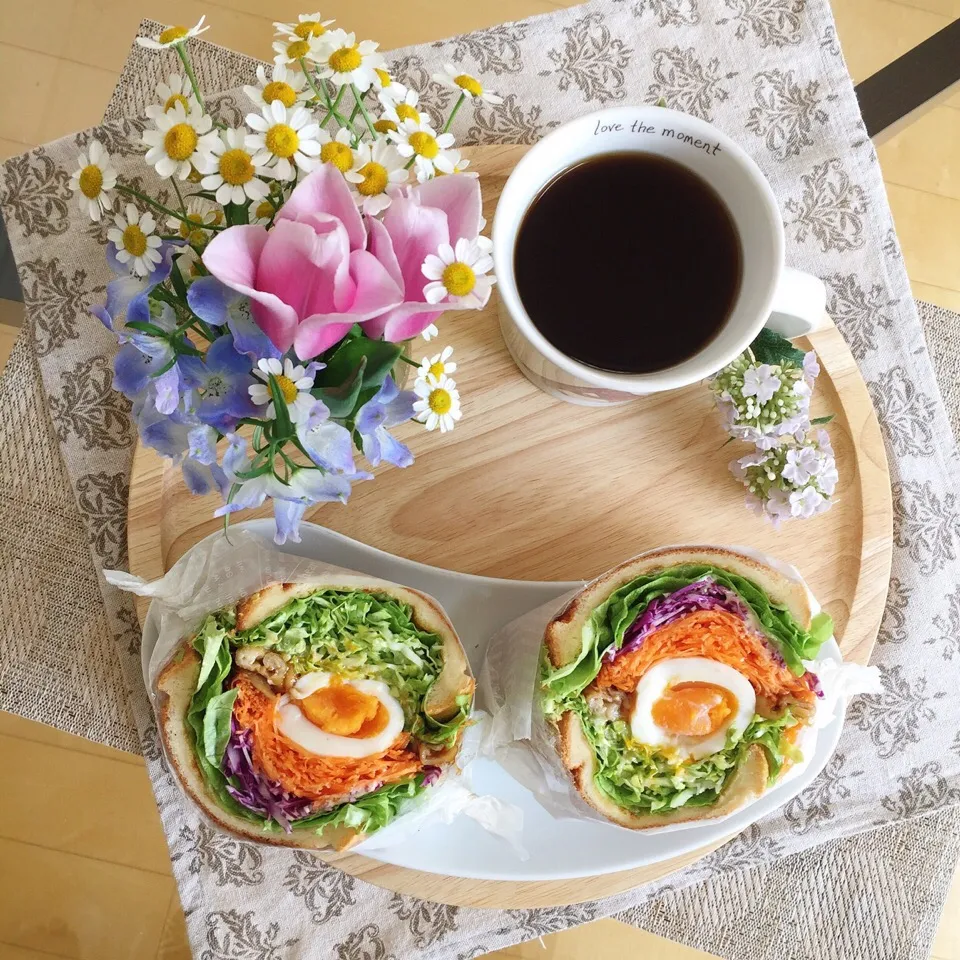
pixel 628 262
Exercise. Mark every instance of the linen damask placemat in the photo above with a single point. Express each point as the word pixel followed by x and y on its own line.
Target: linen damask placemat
pixel 772 76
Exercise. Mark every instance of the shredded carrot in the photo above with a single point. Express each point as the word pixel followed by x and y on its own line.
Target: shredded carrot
pixel 716 635
pixel 304 774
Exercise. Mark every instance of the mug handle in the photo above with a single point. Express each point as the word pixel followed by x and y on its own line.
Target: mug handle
pixel 799 304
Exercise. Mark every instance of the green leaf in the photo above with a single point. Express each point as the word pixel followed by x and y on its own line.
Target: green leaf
pixel 216 726
pixel 770 347
pixel 236 213
pixel 149 328
pixel 282 425
pixel 340 400
pixel 380 359
pixel 660 103
pixel 819 421
pixel 177 280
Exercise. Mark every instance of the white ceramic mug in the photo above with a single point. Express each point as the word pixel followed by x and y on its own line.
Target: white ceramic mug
pixel 790 302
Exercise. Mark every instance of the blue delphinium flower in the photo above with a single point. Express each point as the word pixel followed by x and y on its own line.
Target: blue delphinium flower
pixel 387 408
pixel 328 444
pixel 217 305
pixel 305 488
pixel 144 360
pixel 128 286
pixel 223 377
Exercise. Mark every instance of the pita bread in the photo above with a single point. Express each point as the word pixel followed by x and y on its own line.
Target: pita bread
pixel 178 681
pixel 563 639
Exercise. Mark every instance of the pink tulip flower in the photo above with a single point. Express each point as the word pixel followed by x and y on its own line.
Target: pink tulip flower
pixel 323 267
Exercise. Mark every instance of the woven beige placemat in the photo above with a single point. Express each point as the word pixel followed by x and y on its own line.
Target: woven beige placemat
pixel 771 72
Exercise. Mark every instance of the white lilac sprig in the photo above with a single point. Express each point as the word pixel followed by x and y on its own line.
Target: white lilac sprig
pixel 764 402
pixel 790 481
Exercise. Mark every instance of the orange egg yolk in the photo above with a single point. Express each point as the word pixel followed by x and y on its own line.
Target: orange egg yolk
pixel 693 709
pixel 342 709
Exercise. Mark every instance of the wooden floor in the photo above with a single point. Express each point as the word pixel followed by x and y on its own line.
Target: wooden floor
pixel 84 871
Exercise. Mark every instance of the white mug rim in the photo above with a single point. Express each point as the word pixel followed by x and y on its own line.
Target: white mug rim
pixel 702 364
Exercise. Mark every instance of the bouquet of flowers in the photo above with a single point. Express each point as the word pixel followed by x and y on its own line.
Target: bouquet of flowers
pixel 764 399
pixel 270 305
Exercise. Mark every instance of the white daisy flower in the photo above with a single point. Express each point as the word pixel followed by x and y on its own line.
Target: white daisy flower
pixel 460 163
pixel 230 170
pixel 337 150
pixel 173 36
pixel 283 138
pixel 294 384
pixel 93 180
pixel 438 403
pixel 287 86
pixel 135 240
pixel 458 275
pixel 429 332
pixel 178 140
pixel 464 84
pixel 384 84
pixel 263 212
pixel 428 149
pixel 200 212
pixel 295 49
pixel 308 25
pixel 437 365
pixel 344 61
pixel 401 108
pixel 378 171
pixel 176 90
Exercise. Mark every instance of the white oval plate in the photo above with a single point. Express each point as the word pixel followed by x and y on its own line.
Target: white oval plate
pixel 559 849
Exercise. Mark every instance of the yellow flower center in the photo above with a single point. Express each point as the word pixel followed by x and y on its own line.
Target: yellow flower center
pixel 406 112
pixel 424 145
pixel 440 401
pixel 91 181
pixel 383 77
pixel 345 59
pixel 192 233
pixel 459 279
pixel 468 84
pixel 278 90
pixel 134 241
pixel 298 49
pixel 375 179
pixel 384 126
pixel 173 33
pixel 282 141
pixel 236 167
pixel 173 100
pixel 339 154
pixel 264 210
pixel 309 28
pixel 180 141
pixel 437 369
pixel 287 387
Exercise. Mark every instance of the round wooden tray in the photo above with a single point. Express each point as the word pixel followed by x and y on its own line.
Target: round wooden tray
pixel 532 488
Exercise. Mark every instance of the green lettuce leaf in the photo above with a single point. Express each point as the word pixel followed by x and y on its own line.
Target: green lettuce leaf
pixel 216 726
pixel 368 813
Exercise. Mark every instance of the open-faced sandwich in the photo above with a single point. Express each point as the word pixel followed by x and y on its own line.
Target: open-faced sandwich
pixel 676 684
pixel 306 714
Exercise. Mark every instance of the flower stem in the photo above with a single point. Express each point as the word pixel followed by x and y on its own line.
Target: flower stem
pixel 363 110
pixel 182 53
pixel 322 93
pixel 453 112
pixel 406 359
pixel 176 187
pixel 129 191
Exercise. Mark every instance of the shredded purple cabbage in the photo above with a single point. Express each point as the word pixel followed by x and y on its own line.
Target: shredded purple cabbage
pixel 256 792
pixel 813 682
pixel 430 775
pixel 705 594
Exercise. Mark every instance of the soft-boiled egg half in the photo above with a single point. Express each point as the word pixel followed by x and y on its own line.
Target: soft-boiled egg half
pixel 690 705
pixel 331 716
